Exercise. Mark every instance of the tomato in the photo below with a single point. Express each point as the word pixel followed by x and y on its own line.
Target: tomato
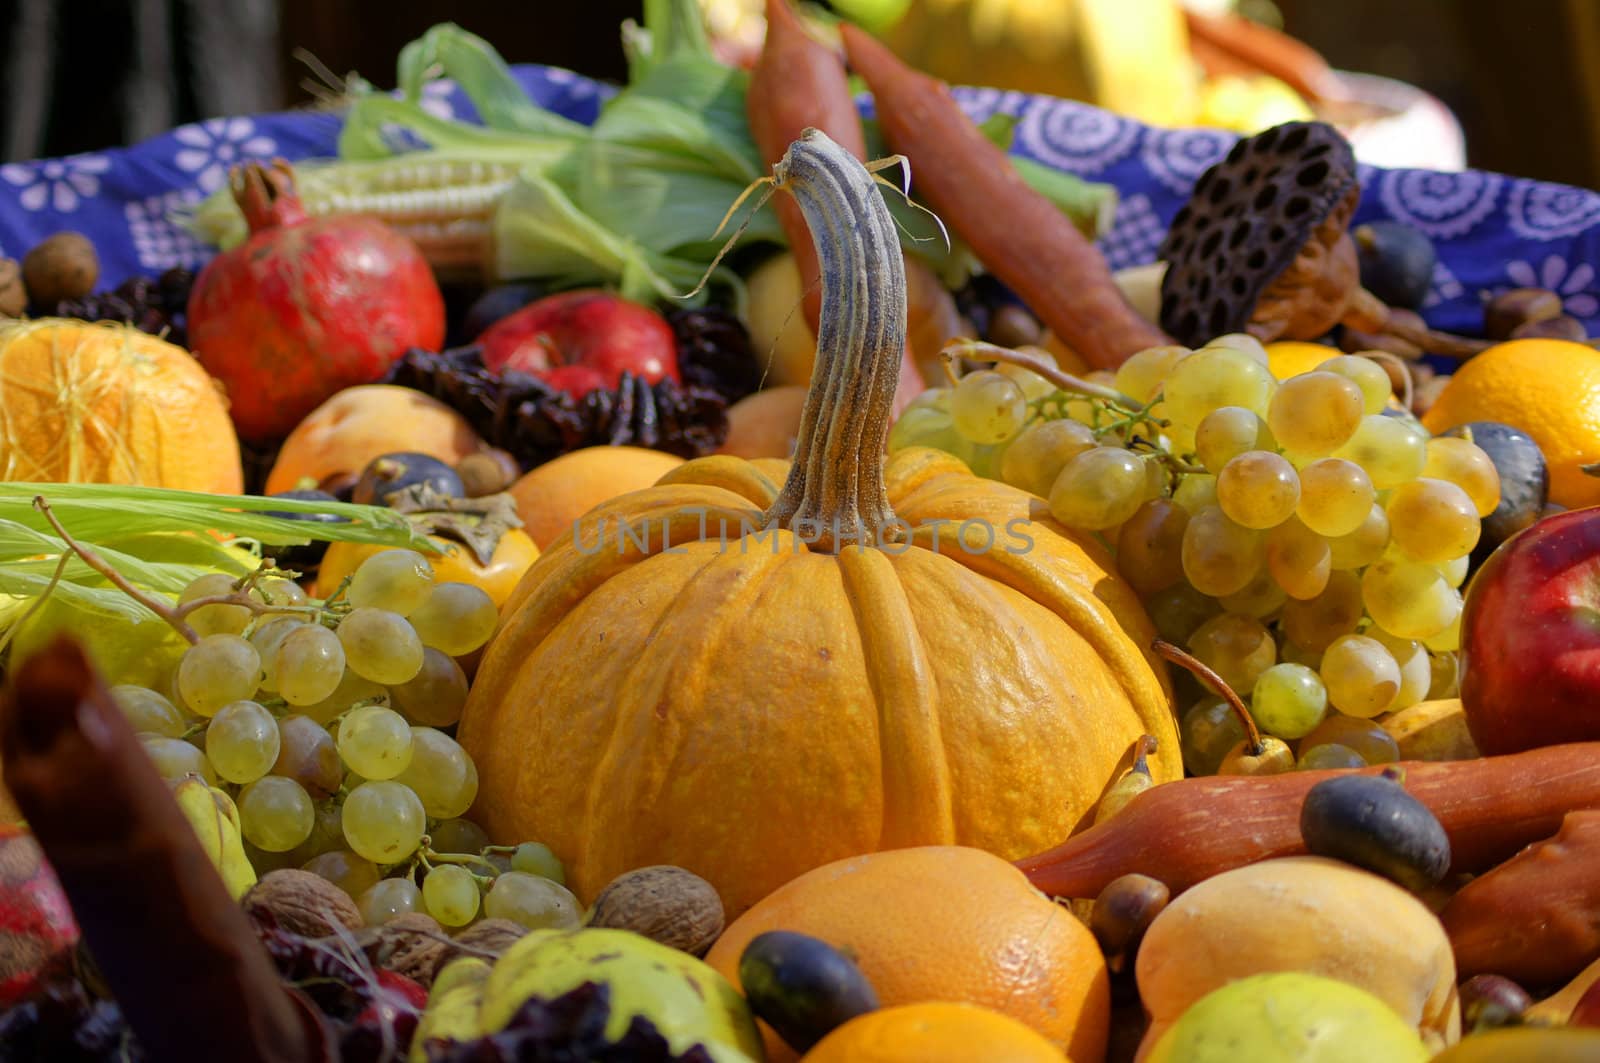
pixel 513 554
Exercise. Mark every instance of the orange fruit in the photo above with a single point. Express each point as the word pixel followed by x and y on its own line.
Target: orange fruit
pixel 934 1032
pixel 513 555
pixel 764 424
pixel 106 403
pixel 1548 388
pixel 552 496
pixel 949 924
pixel 1287 358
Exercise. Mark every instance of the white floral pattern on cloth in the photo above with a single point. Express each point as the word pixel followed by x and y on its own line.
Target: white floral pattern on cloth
pixel 56 184
pixel 439 98
pixel 158 241
pixel 1177 157
pixel 1135 234
pixel 1574 282
pixel 212 147
pixel 1075 137
pixel 1547 212
pixel 1440 205
pixel 1443 286
pixel 982 104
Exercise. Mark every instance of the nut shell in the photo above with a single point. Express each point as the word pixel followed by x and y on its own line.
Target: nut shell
pixel 666 904
pixel 413 944
pixel 62 266
pixel 302 903
pixel 13 296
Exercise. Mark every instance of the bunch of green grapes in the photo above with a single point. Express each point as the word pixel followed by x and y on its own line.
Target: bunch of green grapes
pixel 328 722
pixel 1304 537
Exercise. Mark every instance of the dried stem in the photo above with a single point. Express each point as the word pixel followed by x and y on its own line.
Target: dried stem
pixel 966 347
pixel 1405 372
pixel 1214 682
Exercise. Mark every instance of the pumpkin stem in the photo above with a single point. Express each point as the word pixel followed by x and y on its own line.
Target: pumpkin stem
pixel 835 492
pixel 265 195
pixel 1218 686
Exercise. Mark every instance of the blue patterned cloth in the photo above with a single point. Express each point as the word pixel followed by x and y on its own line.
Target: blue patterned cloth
pixel 1492 232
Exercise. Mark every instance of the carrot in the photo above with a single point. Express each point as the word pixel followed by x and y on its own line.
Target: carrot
pixel 1184 832
pixel 1019 235
pixel 799 84
pixel 1234 43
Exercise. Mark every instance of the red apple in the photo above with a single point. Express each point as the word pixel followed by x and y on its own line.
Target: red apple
pixel 36 925
pixel 597 330
pixel 1530 638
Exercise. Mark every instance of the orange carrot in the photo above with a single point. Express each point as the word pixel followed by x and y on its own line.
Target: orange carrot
pixel 1019 234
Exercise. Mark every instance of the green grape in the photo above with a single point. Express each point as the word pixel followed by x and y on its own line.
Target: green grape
pixel 174 758
pixel 451 895
pixel 280 592
pixel 1366 737
pixel 309 664
pixel 1141 376
pixel 383 821
pixel 214 619
pixel 351 689
pixel 379 645
pixel 1409 599
pixel 441 773
pixel 988 407
pixel 457 618
pixel 276 814
pixel 1464 464
pixel 1292 653
pixel 1220 557
pixel 1244 343
pixel 1032 384
pixel 1258 489
pixel 307 755
pixel 1415 672
pixel 1298 559
pixel 397 581
pixel 344 869
pixel 1335 496
pixel 1361 676
pixel 1178 610
pixel 1237 648
pixel 1195 492
pixel 1367 375
pixel 375 742
pixel 1098 489
pixel 1444 669
pixel 387 899
pixel 1289 701
pixel 242 742
pixel 327 833
pixel 1208 730
pixel 435 695
pixel 267 636
pixel 1329 755
pixel 1314 624
pixel 1261 597
pixel 930 399
pixel 1175 438
pixel 1150 545
pixel 1432 520
pixel 532 901
pixel 1448 640
pixel 1392 451
pixel 1455 570
pixel 148 712
pixel 921 426
pixel 458 836
pixel 535 858
pixel 1034 459
pixel 217 670
pixel 1364 545
pixel 1227 432
pixel 1315 413
pixel 1214 377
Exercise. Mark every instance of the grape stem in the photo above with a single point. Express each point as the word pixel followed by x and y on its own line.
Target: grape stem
pixel 965 346
pixel 1202 671
pixel 101 565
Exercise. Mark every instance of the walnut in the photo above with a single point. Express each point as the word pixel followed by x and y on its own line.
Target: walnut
pixel 413 944
pixel 664 903
pixel 63 266
pixel 13 296
pixel 302 903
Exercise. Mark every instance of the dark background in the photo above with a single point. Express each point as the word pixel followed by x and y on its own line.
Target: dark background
pixel 1523 76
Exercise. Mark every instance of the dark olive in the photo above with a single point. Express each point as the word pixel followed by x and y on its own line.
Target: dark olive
pixel 1524 481
pixel 1370 821
pixel 302 558
pixel 389 474
pixel 494 304
pixel 1396 262
pixel 802 987
pixel 1124 911
pixel 1490 1000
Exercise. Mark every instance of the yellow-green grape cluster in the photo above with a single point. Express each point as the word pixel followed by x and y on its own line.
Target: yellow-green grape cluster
pixel 1304 537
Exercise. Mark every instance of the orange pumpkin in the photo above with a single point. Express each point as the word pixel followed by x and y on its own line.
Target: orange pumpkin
pixel 672 685
pixel 944 923
pixel 934 1033
pixel 550 497
pixel 107 403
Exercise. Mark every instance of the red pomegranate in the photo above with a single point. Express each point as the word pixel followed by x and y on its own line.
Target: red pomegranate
pixel 306 306
pixel 36 924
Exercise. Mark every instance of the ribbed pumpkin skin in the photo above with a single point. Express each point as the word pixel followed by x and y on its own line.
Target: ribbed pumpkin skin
pixel 754 713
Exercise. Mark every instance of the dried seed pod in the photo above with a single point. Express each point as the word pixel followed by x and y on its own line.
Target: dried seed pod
pixel 664 903
pixel 13 294
pixel 1560 327
pixel 62 266
pixel 302 903
pixel 1509 311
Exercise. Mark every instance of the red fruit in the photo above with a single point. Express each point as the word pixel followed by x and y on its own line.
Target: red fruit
pixel 575 380
pixel 307 306
pixel 36 923
pixel 591 328
pixel 1530 638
